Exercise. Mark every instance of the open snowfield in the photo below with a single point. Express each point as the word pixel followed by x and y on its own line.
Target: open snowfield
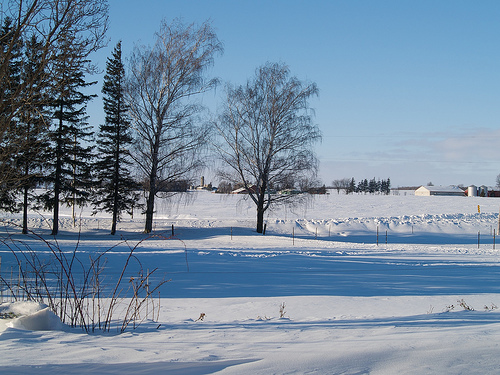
pixel 351 306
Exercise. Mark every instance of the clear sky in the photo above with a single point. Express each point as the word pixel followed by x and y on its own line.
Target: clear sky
pixel 409 90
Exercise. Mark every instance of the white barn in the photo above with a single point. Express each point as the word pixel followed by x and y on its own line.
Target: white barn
pixel 425 191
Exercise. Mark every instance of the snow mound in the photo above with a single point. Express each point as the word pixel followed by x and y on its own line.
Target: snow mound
pixel 30 316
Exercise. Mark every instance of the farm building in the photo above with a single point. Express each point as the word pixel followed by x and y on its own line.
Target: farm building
pixel 244 190
pixel 439 190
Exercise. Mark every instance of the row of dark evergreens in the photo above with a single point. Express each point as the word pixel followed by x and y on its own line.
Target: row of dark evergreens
pixel 373 186
pixel 49 141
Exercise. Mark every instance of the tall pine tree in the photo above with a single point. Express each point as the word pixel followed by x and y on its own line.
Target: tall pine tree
pixel 70 154
pixel 11 54
pixel 32 126
pixel 115 188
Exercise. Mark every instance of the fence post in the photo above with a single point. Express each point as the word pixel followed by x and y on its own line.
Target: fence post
pixel 172 230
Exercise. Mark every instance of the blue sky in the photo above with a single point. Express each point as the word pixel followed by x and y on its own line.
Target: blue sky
pixel 409 90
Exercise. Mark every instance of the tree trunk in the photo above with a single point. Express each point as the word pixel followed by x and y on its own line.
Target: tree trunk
pixel 150 205
pixel 25 210
pixel 55 220
pixel 116 191
pixel 57 179
pixel 260 218
pixel 113 224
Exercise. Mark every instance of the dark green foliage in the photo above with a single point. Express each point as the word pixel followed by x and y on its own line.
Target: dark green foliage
pixel 11 54
pixel 115 189
pixel 32 125
pixel 373 186
pixel 352 186
pixel 68 159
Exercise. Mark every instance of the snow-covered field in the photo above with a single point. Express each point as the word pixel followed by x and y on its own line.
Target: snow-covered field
pixel 351 305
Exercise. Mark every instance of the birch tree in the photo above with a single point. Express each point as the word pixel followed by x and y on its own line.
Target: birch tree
pixel 267 134
pixel 163 82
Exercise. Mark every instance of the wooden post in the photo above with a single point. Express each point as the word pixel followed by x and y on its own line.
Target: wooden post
pixel 11 278
pixel 172 230
pixel 18 281
pixel 293 236
pixel 386 237
pixel 147 294
pixel 264 231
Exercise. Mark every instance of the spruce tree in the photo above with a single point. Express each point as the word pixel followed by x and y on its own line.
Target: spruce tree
pixel 352 186
pixel 11 53
pixel 32 126
pixel 70 154
pixel 372 186
pixel 115 188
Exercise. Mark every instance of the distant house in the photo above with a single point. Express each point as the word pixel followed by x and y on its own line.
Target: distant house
pixel 439 190
pixel 244 190
pixel 289 192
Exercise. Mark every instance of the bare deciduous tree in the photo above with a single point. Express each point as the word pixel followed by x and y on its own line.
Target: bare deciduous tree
pixel 341 184
pixel 163 80
pixel 267 134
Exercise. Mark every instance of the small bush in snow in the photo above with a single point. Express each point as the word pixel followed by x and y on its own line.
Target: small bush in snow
pixel 492 307
pixel 282 310
pixel 74 289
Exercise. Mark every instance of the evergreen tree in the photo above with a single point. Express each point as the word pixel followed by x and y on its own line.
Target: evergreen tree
pixel 32 126
pixel 115 189
pixel 11 54
pixel 352 186
pixel 372 186
pixel 383 187
pixel 70 153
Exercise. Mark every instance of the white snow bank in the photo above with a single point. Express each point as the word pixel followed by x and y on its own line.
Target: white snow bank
pixel 30 316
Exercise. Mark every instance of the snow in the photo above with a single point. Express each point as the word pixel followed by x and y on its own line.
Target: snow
pixel 351 306
pixel 29 316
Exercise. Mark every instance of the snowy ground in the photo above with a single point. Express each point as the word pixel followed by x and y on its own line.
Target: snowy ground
pixel 352 306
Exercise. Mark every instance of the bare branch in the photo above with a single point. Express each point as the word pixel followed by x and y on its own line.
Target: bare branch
pixel 267 134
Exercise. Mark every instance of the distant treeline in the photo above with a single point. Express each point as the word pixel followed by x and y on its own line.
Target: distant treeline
pixel 372 186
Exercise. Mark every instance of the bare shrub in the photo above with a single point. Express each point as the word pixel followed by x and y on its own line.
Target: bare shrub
pixel 282 310
pixel 74 290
